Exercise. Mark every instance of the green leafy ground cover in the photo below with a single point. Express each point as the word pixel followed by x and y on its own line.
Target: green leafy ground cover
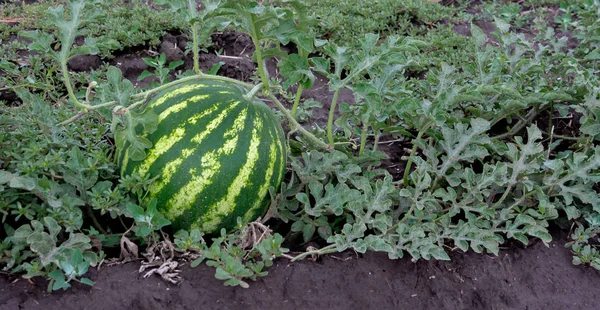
pixel 501 130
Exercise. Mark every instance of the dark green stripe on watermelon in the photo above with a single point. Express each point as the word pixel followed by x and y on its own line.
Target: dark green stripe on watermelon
pixel 217 155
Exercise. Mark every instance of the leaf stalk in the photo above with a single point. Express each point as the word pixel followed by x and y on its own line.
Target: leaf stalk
pixel 195 48
pixel 297 100
pixel 336 94
pixel 412 154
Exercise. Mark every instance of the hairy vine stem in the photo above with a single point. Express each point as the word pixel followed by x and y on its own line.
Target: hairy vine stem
pixel 67 81
pixel 252 93
pixel 301 52
pixel 195 49
pixel 86 108
pixel 90 213
pixel 144 96
pixel 269 93
pixel 336 94
pixel 412 154
pixel 326 250
pixel 520 125
pixel 296 126
pixel 259 60
pixel 297 100
pixel 363 138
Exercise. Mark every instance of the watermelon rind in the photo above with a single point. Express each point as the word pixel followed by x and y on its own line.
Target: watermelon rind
pixel 216 154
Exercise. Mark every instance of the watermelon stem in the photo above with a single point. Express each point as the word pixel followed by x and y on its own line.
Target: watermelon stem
pixel 95 222
pixel 144 96
pixel 297 100
pixel 336 94
pixel 67 81
pixel 265 81
pixel 195 48
pixel 363 138
pixel 412 154
pixel 296 126
pixel 259 60
pixel 252 93
pixel 303 53
pixel 201 76
pixel 326 250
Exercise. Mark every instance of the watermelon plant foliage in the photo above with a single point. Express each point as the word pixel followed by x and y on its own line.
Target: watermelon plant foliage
pixel 485 158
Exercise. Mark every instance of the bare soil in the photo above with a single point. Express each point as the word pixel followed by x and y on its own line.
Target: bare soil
pixel 537 277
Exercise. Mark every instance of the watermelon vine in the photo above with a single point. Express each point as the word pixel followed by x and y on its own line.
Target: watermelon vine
pixel 205 157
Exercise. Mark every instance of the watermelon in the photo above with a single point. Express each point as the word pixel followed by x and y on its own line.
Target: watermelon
pixel 216 154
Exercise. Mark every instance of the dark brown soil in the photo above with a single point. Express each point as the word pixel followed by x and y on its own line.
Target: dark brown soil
pixel 538 277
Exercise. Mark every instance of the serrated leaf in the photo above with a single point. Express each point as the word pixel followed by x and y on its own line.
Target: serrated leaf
pixel 60 283
pixel 478 35
pixel 287 30
pixel 69 29
pixel 438 253
pixel 462 244
pixel 78 173
pixel 41 42
pixel 138 145
pixel 378 244
pixel 151 210
pixel 89 48
pixel 464 144
pixel 77 240
pixel 307 232
pixel 147 118
pixel 38 106
pixel 296 69
pixel 120 89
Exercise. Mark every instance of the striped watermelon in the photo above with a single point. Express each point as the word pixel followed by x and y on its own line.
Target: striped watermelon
pixel 216 152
